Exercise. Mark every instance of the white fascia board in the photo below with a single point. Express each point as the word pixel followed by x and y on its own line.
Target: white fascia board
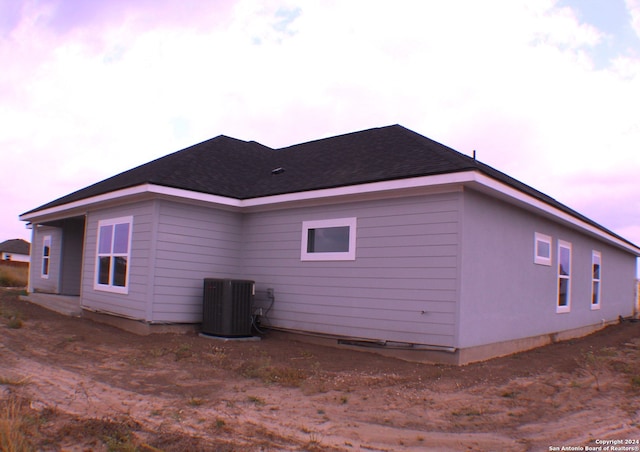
pixel 137 191
pixel 82 203
pixel 361 189
pixel 194 196
pixel 470 178
pixel 521 197
pixel 159 190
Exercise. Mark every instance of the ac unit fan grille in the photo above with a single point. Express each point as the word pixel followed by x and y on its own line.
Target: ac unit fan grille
pixel 226 307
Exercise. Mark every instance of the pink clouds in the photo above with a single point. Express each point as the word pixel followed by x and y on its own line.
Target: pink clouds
pixel 66 16
pixel 104 86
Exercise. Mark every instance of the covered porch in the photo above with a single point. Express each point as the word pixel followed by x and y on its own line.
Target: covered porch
pixel 56 257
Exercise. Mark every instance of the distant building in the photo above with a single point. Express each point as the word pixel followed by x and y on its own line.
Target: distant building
pixel 16 250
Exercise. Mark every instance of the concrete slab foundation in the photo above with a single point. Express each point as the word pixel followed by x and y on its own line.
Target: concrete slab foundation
pixel 69 305
pixel 140 327
pixel 62 304
pixel 442 354
pixel 230 339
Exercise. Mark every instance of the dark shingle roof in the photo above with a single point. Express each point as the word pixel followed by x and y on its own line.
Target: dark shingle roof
pixel 244 169
pixel 372 155
pixel 15 246
pixel 240 169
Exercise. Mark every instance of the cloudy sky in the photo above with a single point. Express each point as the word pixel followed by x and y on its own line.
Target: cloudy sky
pixel 546 91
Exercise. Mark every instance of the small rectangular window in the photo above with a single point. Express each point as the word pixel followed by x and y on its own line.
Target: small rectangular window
pixel 113 255
pixel 596 272
pixel 326 240
pixel 564 277
pixel 542 249
pixel 46 256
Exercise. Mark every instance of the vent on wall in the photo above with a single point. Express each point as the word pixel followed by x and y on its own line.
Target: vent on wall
pixel 226 307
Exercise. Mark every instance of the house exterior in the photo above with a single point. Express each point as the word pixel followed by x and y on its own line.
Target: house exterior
pixel 381 237
pixel 15 250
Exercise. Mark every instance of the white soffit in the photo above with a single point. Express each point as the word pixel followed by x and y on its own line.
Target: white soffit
pixel 473 179
pixel 488 184
pixel 144 190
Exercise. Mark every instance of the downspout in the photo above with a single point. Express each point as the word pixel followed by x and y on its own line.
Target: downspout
pixel 151 269
pixel 83 255
pixel 460 266
pixel 636 308
pixel 60 260
pixel 31 252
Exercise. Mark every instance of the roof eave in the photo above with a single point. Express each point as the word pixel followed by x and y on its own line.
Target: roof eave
pixel 472 178
pixel 498 189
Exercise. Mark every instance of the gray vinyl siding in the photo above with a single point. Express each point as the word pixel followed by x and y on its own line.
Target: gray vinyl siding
pixel 192 243
pixel 72 243
pixel 402 286
pixel 173 248
pixel 505 295
pixel 37 281
pixel 134 303
pixel 451 269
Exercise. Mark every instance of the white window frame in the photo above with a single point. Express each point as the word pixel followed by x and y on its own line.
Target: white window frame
pixel 539 259
pixel 110 287
pixel 349 255
pixel 596 256
pixel 46 247
pixel 565 308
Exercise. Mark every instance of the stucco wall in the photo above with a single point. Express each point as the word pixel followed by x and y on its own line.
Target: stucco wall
pixel 505 295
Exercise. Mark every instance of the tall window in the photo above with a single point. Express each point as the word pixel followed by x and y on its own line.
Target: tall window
pixel 113 256
pixel 564 277
pixel 46 255
pixel 326 240
pixel 596 268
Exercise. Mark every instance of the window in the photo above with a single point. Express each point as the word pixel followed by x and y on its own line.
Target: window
pixel 564 277
pixel 329 240
pixel 113 255
pixel 596 268
pixel 542 254
pixel 46 256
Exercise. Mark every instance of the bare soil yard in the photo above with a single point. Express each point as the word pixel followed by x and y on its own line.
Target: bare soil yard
pixel 74 385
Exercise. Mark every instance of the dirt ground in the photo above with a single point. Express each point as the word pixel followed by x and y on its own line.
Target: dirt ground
pixel 74 385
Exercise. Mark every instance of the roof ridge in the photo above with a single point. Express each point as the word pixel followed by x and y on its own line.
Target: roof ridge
pixel 342 135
